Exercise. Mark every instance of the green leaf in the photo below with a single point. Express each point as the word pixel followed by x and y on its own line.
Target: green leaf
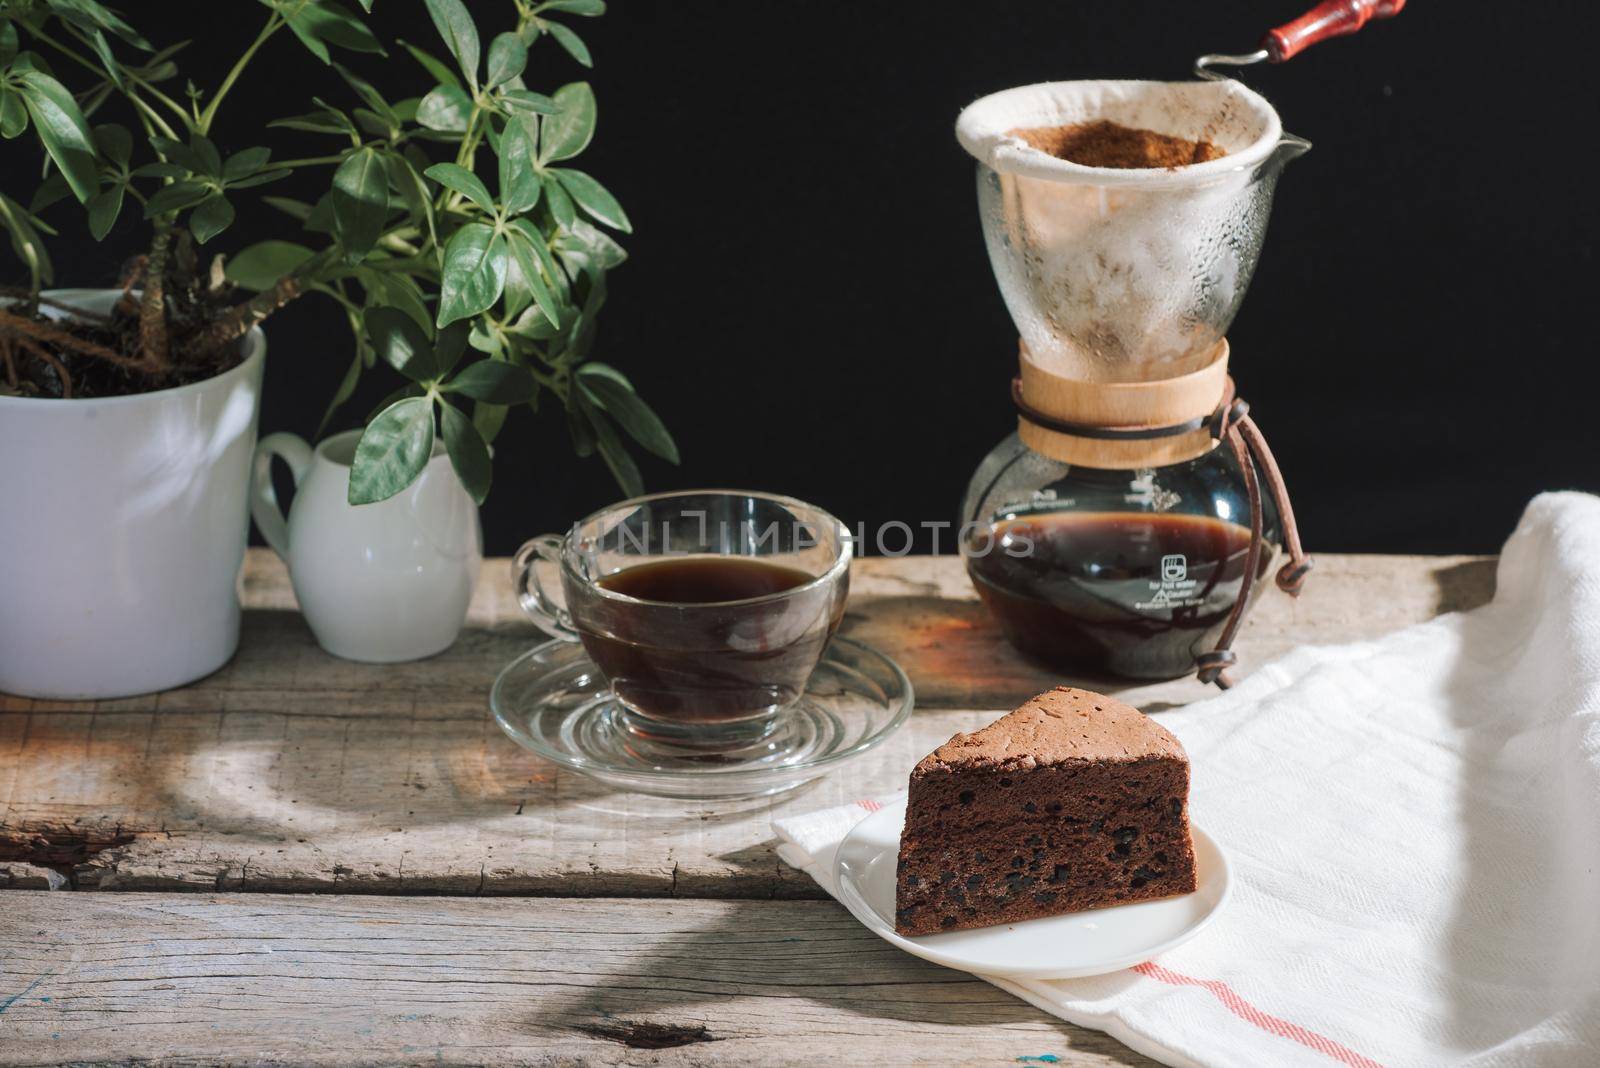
pixel 401 291
pixel 13 114
pixel 489 418
pixel 161 170
pixel 179 153
pixel 402 343
pixel 213 216
pixel 607 388
pixel 571 42
pixel 321 23
pixel 559 201
pixel 360 201
pixel 454 23
pixel 494 381
pixel 393 450
pixel 8 43
pixel 587 249
pixel 488 341
pixel 175 197
pixel 441 73
pixel 298 209
pixel 462 181
pixel 50 191
pixel 88 14
pixel 586 8
pixel 516 299
pixel 23 229
pixel 615 454
pixel 582 433
pixel 373 98
pixel 325 119
pixel 206 151
pixel 593 198
pixel 519 180
pixel 260 265
pixel 508 57
pixel 468 453
pixel 108 60
pixel 413 190
pixel 527 100
pixel 448 346
pixel 474 273
pixel 104 207
pixel 245 163
pixel 522 250
pixel 320 221
pixel 372 124
pixel 569 131
pixel 115 143
pixel 313 45
pixel 260 178
pixel 447 109
pixel 62 128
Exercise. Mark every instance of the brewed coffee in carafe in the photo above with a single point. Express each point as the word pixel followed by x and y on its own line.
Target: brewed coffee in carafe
pixel 1113 532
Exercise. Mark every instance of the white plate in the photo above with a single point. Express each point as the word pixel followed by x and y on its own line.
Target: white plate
pixel 1057 947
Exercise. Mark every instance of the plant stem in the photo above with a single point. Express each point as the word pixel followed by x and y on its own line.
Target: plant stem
pixel 274 23
pixel 152 116
pixel 312 161
pixel 153 303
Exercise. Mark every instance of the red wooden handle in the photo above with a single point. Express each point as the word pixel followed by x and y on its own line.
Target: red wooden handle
pixel 1335 18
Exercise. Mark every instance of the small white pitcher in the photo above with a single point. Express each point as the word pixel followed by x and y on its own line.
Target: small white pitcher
pixel 377 582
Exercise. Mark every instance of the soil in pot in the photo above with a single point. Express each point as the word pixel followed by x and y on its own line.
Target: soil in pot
pixel 193 332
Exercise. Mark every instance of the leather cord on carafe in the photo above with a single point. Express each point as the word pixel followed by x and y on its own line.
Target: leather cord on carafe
pixel 1234 426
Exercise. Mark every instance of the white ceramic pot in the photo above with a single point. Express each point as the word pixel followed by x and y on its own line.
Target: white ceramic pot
pixel 377 582
pixel 122 527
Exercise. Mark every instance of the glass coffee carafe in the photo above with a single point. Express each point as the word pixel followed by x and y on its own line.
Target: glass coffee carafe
pixel 1111 534
pixel 1130 573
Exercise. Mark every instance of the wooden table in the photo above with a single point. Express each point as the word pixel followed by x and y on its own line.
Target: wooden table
pixel 314 861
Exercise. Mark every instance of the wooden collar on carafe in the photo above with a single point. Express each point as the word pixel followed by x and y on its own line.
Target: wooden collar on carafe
pixel 1120 425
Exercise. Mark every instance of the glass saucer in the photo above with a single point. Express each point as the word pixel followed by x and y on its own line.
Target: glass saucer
pixel 553 700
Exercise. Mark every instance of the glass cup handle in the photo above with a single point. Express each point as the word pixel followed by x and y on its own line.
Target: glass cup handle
pixel 556 622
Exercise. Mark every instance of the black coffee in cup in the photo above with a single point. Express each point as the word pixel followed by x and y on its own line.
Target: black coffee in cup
pixel 706 610
pixel 706 640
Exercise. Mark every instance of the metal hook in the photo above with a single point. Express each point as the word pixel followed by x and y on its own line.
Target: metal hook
pixel 1203 66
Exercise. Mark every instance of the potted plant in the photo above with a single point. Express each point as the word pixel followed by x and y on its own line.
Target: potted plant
pixel 467 252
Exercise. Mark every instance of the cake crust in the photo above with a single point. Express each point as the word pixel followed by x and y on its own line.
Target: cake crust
pixel 1073 801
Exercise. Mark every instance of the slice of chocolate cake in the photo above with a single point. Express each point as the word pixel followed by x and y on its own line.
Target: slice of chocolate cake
pixel 1074 801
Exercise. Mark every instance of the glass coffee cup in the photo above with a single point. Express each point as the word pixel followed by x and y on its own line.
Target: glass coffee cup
pixel 706 611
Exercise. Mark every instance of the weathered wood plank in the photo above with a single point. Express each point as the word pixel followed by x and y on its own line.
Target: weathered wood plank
pixel 293 771
pixel 235 979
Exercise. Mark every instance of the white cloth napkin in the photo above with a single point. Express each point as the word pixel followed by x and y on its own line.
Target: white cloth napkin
pixel 1414 823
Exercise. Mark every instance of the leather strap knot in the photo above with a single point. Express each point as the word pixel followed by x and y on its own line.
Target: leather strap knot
pixel 1213 667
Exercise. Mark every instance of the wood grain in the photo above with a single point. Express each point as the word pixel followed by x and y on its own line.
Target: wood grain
pixel 250 979
pixel 291 770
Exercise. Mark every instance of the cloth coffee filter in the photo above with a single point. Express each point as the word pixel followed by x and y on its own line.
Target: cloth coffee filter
pixel 1118 275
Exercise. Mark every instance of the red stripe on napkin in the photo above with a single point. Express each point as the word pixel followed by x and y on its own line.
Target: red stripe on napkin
pixel 1267 1022
pixel 870 806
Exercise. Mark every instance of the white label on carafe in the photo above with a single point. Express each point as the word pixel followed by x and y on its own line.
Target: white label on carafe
pixel 1175 589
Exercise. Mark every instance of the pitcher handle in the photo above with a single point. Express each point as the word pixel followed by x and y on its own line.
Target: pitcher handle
pixel 556 622
pixel 263 498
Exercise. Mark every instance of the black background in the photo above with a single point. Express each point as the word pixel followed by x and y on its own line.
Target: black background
pixel 810 307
